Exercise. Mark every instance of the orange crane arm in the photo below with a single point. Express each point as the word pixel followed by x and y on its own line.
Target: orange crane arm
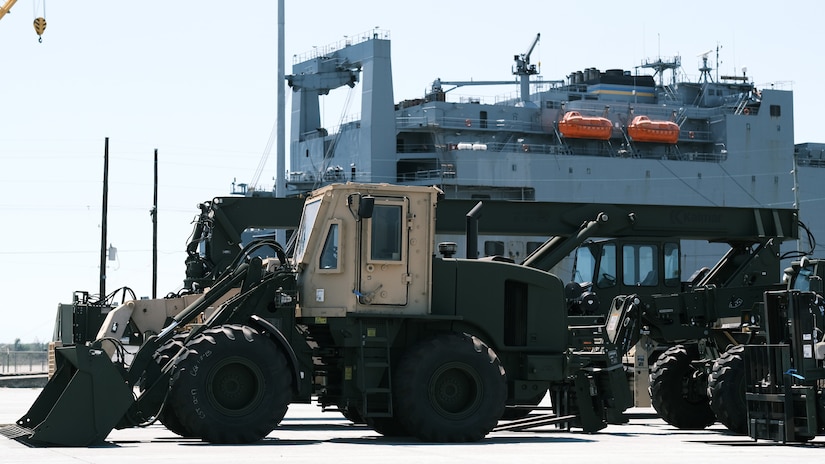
pixel 6 7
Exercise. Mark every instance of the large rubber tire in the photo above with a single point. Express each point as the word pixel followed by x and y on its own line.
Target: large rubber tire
pixel 726 389
pixel 233 385
pixel 352 415
pixel 678 391
pixel 451 388
pixel 387 426
pixel 167 416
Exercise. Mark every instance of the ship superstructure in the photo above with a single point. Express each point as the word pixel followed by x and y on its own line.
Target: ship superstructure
pixel 601 136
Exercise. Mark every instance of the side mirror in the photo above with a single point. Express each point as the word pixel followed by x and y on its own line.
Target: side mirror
pixel 365 207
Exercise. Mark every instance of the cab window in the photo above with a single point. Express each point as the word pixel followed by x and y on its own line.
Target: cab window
pixel 606 276
pixel 386 233
pixel 673 274
pixel 639 265
pixel 585 264
pixel 329 253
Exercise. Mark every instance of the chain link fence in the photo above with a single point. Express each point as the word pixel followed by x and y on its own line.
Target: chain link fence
pixel 23 362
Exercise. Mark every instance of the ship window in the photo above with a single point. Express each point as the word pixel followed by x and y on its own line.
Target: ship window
pixel 386 233
pixel 482 116
pixel 639 265
pixel 493 248
pixel 776 111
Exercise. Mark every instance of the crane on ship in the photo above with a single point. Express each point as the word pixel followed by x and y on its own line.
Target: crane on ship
pixel 39 21
pixel 524 69
pixel 523 66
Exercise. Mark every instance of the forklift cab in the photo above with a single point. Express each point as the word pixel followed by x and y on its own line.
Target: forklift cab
pixel 606 268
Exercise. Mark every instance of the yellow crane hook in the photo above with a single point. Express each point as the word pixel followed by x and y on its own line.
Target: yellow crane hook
pixel 39 27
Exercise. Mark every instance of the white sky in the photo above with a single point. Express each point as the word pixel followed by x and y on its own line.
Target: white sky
pixel 197 81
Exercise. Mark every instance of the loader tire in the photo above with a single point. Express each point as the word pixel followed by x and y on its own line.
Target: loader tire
pixel 678 391
pixel 726 389
pixel 451 388
pixel 166 415
pixel 387 426
pixel 351 414
pixel 233 385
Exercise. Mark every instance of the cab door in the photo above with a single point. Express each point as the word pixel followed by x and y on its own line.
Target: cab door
pixel 384 276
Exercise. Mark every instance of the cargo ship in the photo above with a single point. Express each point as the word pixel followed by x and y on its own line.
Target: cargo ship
pixel 643 135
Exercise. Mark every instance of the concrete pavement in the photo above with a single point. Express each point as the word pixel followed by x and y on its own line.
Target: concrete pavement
pixel 308 435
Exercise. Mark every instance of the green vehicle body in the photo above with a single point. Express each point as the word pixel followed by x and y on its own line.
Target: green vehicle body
pixel 365 319
pixel 544 333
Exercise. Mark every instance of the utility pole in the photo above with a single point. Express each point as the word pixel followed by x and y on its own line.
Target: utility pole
pixel 105 207
pixel 280 145
pixel 154 214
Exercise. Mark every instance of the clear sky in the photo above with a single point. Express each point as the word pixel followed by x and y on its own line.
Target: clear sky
pixel 197 81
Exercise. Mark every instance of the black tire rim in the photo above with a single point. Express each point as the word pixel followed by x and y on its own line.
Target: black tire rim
pixel 234 386
pixel 455 390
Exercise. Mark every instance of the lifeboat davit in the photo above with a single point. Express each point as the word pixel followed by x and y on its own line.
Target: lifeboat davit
pixel 643 129
pixel 575 126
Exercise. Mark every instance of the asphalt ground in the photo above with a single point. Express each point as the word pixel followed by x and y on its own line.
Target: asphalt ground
pixel 308 435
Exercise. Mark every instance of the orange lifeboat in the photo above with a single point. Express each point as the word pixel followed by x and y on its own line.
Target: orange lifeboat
pixel 575 126
pixel 642 129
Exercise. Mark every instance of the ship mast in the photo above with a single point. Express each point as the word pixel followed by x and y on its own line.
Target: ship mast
pixel 659 66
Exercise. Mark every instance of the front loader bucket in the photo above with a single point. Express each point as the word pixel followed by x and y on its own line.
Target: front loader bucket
pixel 80 404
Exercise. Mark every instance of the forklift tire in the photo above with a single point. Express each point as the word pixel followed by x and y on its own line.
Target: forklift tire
pixel 678 391
pixel 451 388
pixel 726 389
pixel 233 385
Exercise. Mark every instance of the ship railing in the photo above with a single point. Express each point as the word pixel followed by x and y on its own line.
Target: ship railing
pixel 407 122
pixel 676 152
pixel 425 175
pixel 810 154
pixel 348 41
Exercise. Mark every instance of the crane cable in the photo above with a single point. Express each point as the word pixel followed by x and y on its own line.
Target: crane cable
pixel 39 21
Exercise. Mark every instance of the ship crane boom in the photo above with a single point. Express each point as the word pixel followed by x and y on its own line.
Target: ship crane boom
pixel 523 66
pixel 524 69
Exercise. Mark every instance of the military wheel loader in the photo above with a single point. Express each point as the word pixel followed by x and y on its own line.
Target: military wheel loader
pixel 363 318
pixel 636 254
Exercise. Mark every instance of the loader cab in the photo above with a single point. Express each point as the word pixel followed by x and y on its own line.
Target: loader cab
pixel 366 248
pixel 604 269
